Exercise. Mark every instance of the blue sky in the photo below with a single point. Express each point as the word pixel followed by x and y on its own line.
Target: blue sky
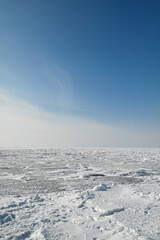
pixel 94 60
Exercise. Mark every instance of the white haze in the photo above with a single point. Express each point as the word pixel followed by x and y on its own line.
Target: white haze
pixel 26 126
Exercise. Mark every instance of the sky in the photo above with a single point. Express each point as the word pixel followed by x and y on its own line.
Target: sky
pixel 79 73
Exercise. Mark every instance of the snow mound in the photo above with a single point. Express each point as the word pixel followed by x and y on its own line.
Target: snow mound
pixel 111 212
pixel 36 198
pixel 101 187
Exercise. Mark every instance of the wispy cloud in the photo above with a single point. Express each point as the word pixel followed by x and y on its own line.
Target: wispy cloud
pixel 47 85
pixel 25 125
pixel 61 84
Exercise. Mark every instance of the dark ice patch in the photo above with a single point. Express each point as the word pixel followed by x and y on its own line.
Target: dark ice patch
pixel 94 175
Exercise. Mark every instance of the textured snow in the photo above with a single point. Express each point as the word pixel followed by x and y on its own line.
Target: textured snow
pixel 80 194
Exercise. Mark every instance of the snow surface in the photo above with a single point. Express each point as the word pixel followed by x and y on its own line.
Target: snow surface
pixel 80 194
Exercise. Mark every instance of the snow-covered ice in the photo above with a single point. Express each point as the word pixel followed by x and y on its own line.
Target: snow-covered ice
pixel 80 194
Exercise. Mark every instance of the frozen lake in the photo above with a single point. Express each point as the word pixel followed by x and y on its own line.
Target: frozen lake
pixel 80 194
